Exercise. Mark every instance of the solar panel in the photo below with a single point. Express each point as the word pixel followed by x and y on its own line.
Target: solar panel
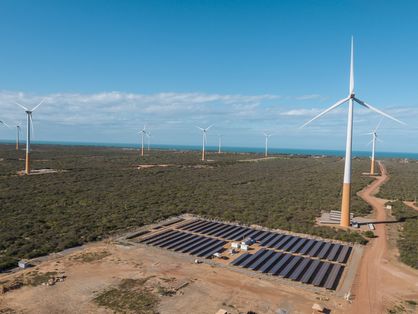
pixel 334 277
pixel 231 232
pixel 180 237
pixel 298 245
pixel 307 247
pixel 291 266
pixel 320 276
pixel 282 241
pixel 243 235
pixel 267 239
pixel 262 235
pixel 220 228
pixel 154 236
pixel 260 262
pixel 253 233
pixel 324 250
pixel 204 226
pixel 271 262
pixel 188 223
pixel 296 274
pixel 204 248
pixel 211 249
pixel 217 249
pixel 273 240
pixel 195 245
pixel 253 258
pixel 307 276
pixel 289 244
pixel 199 224
pixel 316 248
pixel 334 252
pixel 226 230
pixel 281 264
pixel 209 228
pixel 236 235
pixel 201 247
pixel 160 237
pixel 344 254
pixel 240 259
pixel 183 243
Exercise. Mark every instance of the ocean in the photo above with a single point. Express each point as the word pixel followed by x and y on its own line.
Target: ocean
pixel 234 149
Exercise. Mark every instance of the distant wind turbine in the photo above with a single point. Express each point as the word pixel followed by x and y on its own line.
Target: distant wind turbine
pixel 205 139
pixel 29 129
pixel 219 143
pixel 143 132
pixel 267 135
pixel 373 142
pixel 148 139
pixel 18 131
pixel 345 204
pixel 4 123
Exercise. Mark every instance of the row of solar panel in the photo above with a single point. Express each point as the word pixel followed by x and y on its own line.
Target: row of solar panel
pixel 294 244
pixel 186 243
pixel 297 268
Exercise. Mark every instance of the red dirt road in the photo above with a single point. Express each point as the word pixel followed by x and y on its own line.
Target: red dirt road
pixel 382 281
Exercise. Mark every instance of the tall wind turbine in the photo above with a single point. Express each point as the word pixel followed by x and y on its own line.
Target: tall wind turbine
pixel 219 143
pixel 29 129
pixel 143 132
pixel 267 135
pixel 205 139
pixel 373 142
pixel 351 98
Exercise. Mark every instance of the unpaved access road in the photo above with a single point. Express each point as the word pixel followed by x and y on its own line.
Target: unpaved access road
pixel 382 280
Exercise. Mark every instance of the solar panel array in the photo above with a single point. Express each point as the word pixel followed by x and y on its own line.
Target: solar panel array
pixel 316 262
pixel 186 243
pixel 282 242
pixel 297 268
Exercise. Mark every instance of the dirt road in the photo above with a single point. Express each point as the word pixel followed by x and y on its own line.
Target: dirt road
pixel 382 281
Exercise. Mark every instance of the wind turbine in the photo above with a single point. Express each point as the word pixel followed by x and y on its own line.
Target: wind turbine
pixel 148 139
pixel 29 129
pixel 373 142
pixel 143 132
pixel 267 135
pixel 4 123
pixel 351 98
pixel 205 139
pixel 18 131
pixel 219 143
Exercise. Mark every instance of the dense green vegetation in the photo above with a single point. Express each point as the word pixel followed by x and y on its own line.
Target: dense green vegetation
pixel 408 237
pixel 403 183
pixel 103 192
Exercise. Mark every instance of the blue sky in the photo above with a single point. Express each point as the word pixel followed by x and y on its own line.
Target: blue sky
pixel 108 67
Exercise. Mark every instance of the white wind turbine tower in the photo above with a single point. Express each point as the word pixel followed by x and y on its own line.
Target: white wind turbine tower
pixel 267 135
pixel 373 142
pixel 143 132
pixel 219 143
pixel 351 98
pixel 29 129
pixel 205 139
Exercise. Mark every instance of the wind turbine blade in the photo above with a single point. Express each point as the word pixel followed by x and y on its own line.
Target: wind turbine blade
pixel 2 122
pixel 378 125
pixel 369 143
pixel 377 110
pixel 201 129
pixel 21 106
pixel 352 67
pixel 338 103
pixel 207 129
pixel 42 101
